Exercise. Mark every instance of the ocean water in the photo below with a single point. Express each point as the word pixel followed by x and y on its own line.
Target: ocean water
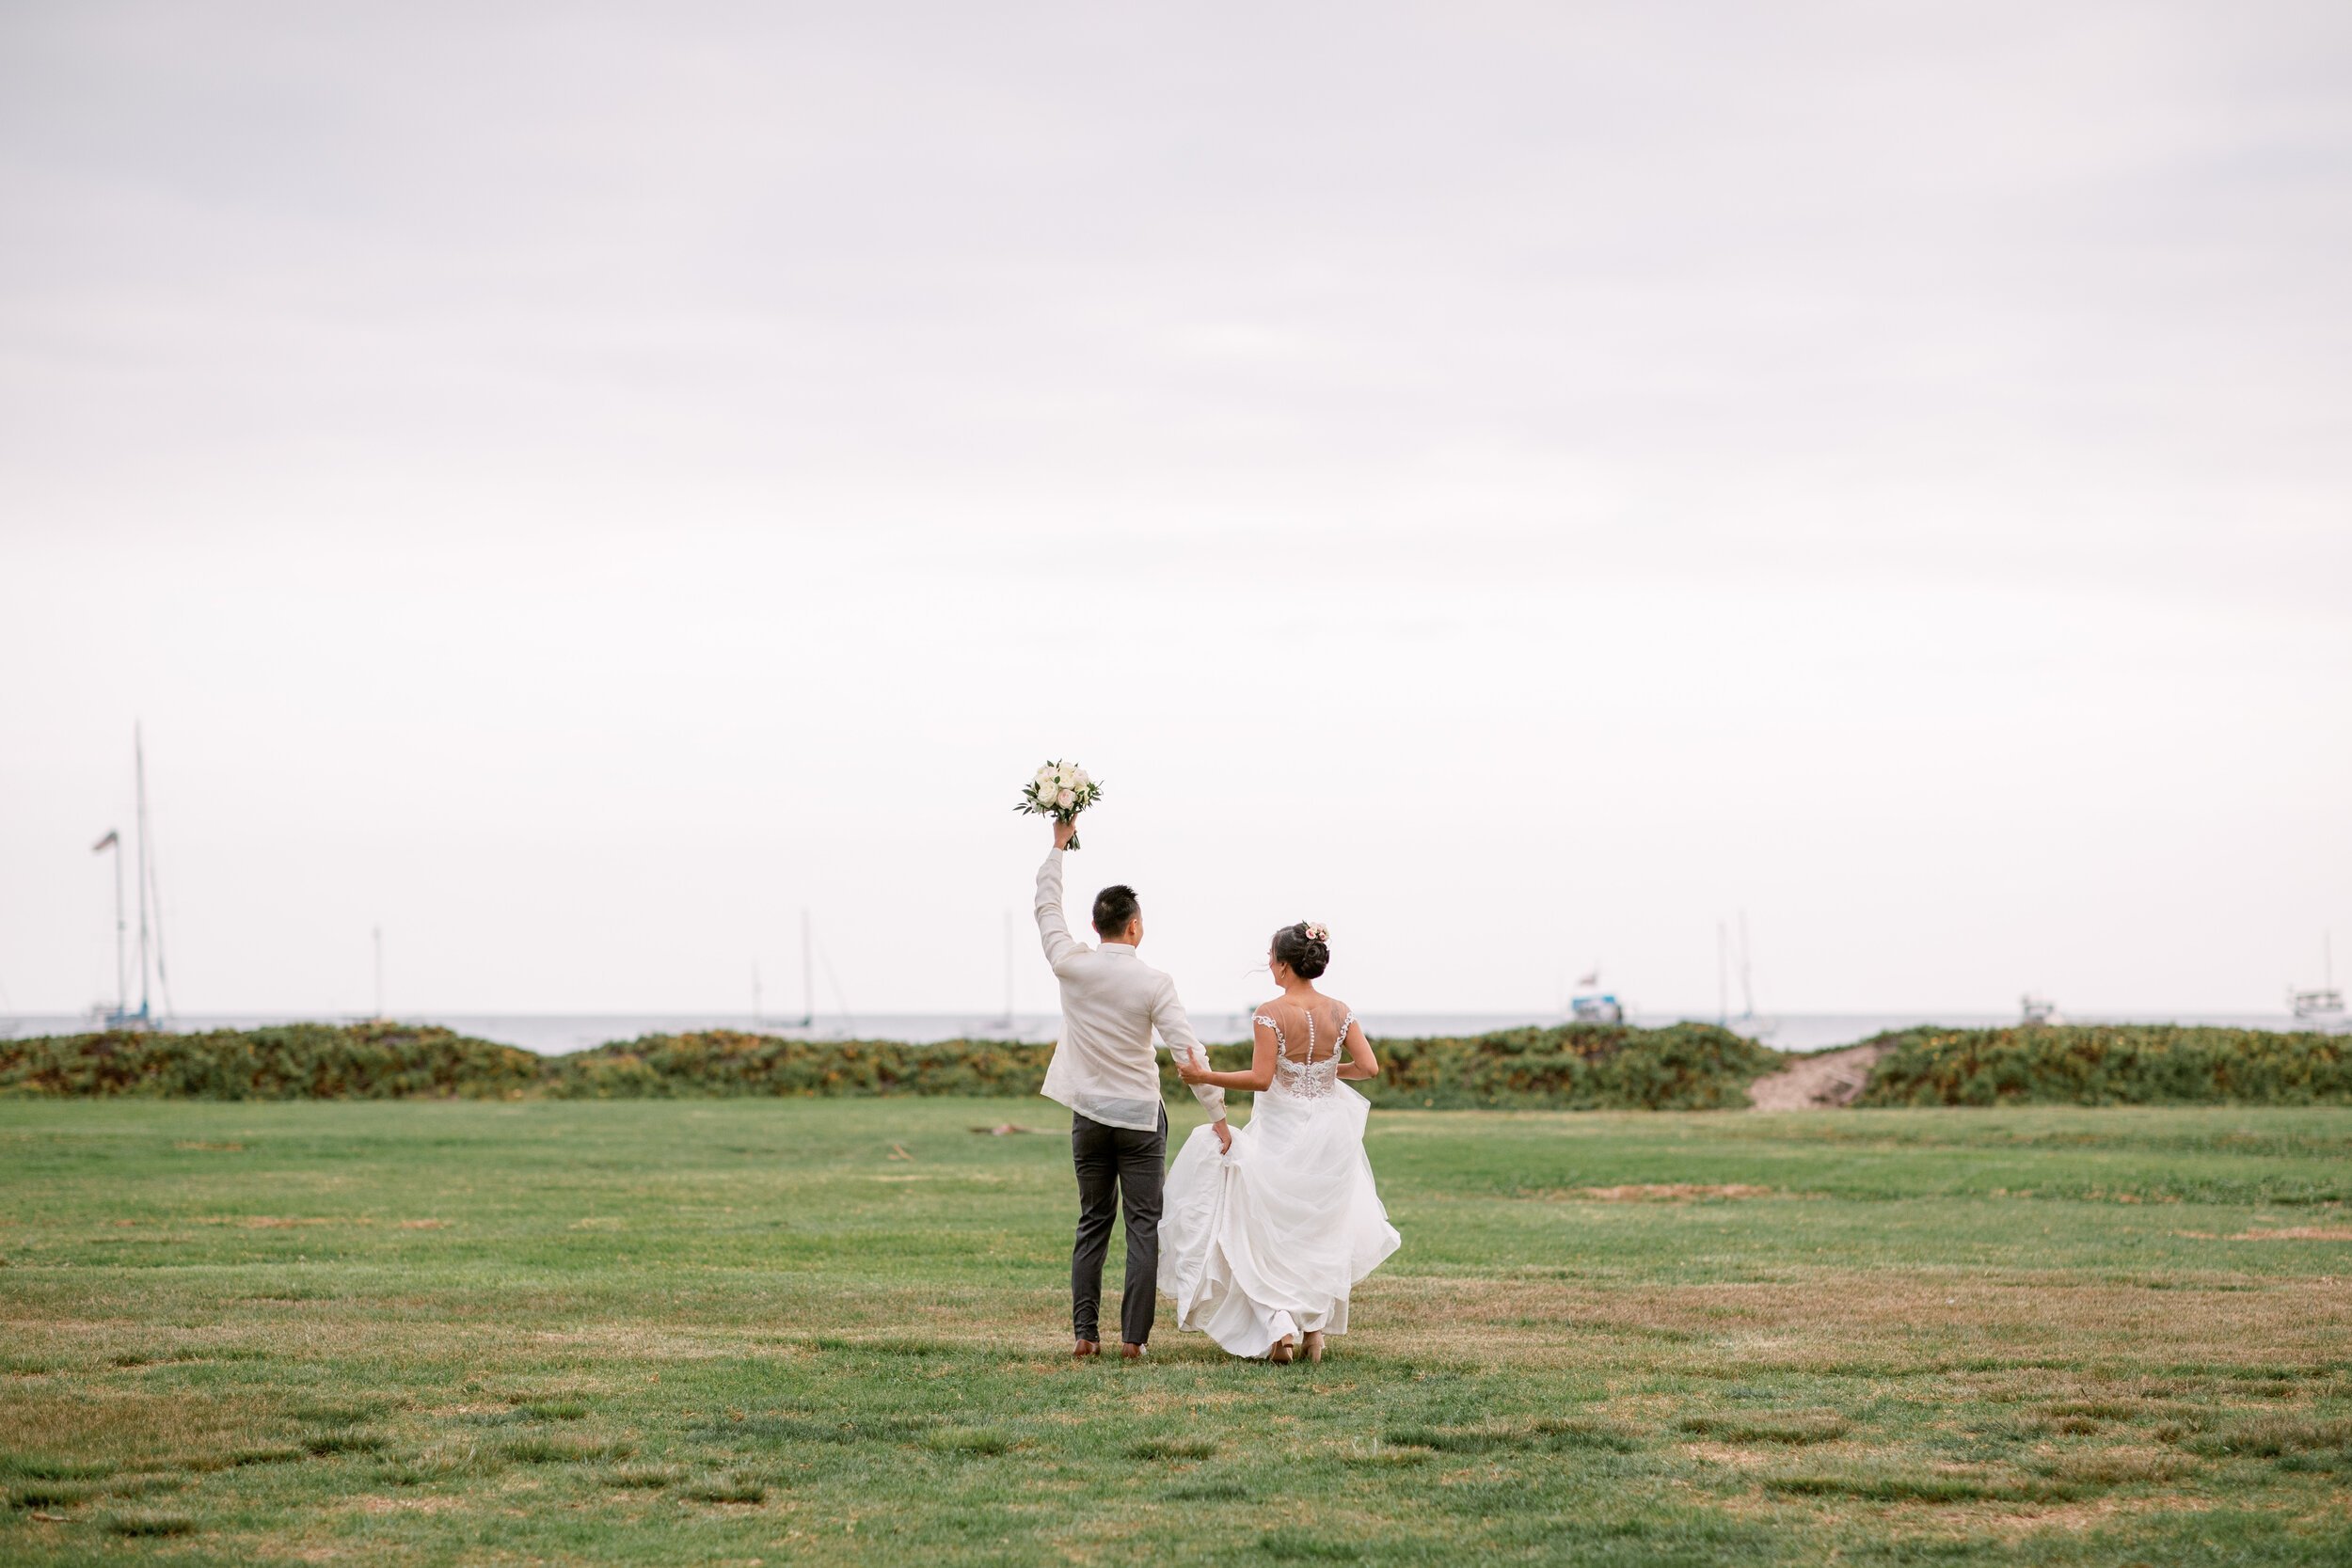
pixel 554 1033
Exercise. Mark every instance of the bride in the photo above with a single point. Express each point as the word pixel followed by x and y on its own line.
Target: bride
pixel 1260 1246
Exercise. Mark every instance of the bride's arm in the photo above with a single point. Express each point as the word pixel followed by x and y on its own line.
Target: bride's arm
pixel 1261 1072
pixel 1361 1063
pixel 1168 1017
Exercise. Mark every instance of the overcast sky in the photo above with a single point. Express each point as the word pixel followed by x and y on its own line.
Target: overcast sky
pixel 1520 484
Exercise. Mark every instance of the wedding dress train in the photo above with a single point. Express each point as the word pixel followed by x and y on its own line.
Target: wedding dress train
pixel 1265 1243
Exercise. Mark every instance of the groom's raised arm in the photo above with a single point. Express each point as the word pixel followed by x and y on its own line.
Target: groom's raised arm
pixel 1168 1017
pixel 1050 928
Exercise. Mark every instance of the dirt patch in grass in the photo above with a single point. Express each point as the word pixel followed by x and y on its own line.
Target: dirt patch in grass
pixel 1719 1453
pixel 410 1505
pixel 1834 1078
pixel 2297 1233
pixel 2077 1515
pixel 1666 1192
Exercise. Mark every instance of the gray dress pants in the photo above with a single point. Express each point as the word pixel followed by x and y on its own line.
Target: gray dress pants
pixel 1119 1168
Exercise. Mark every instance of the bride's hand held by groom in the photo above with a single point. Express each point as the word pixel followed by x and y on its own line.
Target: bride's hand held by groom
pixel 1194 1070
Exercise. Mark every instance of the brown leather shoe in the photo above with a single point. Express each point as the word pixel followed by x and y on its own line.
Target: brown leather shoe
pixel 1130 1352
pixel 1089 1347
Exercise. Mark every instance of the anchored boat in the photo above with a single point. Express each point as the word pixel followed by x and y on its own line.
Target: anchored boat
pixel 1592 1005
pixel 2324 1006
pixel 150 917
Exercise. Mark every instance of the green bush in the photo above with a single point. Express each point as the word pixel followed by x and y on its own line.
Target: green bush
pixel 293 1061
pixel 1683 1066
pixel 2111 1065
pixel 731 1062
pixel 1687 1067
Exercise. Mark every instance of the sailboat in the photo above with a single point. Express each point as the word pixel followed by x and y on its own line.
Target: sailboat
pixel 1003 1023
pixel 2325 1005
pixel 1757 1029
pixel 150 917
pixel 808 988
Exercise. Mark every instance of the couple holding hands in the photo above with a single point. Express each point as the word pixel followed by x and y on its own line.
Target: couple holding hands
pixel 1258 1232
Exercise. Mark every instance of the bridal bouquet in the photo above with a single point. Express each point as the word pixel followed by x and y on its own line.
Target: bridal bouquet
pixel 1061 790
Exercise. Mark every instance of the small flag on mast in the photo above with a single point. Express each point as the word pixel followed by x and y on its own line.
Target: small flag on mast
pixel 111 839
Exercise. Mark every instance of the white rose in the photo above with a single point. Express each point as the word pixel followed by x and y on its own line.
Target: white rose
pixel 1066 800
pixel 1045 777
pixel 1083 780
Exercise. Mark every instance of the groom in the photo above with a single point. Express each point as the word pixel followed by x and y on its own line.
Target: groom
pixel 1104 1071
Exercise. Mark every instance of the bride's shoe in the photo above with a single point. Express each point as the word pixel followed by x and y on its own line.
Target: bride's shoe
pixel 1284 1350
pixel 1314 1346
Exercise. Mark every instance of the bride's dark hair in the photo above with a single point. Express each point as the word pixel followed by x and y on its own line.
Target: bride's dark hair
pixel 1307 955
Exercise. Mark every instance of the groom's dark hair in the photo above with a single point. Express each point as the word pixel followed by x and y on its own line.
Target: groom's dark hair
pixel 1113 907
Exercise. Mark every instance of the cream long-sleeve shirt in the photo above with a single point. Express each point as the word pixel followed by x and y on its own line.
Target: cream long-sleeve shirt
pixel 1111 1001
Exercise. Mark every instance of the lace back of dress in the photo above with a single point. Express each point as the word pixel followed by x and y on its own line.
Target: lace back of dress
pixel 1309 1069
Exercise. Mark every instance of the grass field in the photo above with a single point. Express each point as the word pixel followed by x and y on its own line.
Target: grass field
pixel 746 1331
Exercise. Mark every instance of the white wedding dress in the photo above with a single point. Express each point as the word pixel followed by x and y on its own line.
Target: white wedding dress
pixel 1266 1241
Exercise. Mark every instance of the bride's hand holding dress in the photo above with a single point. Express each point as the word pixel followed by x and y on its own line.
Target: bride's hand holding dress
pixel 1266 1241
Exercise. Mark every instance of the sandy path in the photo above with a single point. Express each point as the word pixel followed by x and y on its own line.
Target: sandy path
pixel 1833 1079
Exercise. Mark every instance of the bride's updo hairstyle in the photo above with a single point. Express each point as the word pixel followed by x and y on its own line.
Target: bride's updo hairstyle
pixel 1298 946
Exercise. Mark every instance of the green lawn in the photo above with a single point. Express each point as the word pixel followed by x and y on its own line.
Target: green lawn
pixel 832 1331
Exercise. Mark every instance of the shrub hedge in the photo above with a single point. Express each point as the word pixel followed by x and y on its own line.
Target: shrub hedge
pixel 732 1062
pixel 293 1061
pixel 1686 1067
pixel 2111 1065
pixel 1683 1066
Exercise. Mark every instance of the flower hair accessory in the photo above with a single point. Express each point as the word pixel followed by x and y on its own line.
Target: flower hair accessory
pixel 1316 932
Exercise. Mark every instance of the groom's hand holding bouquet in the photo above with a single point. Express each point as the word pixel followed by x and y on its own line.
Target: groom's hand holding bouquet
pixel 1061 790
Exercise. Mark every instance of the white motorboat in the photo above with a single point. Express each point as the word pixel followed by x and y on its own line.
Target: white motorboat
pixel 1592 1005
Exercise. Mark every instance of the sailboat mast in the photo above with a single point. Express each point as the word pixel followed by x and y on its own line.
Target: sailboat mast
pixel 138 763
pixel 122 972
pixel 1747 972
pixel 808 974
pixel 1722 973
